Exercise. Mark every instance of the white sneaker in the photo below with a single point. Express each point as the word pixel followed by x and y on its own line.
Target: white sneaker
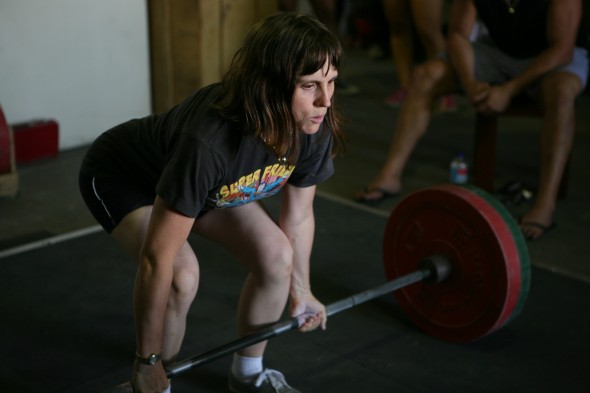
pixel 268 381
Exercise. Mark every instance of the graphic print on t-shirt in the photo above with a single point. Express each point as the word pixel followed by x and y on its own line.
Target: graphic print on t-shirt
pixel 258 184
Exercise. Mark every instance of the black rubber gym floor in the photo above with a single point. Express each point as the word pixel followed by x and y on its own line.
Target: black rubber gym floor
pixel 67 324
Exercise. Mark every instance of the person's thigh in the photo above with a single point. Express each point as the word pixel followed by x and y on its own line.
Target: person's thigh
pixel 495 67
pixel 427 15
pixel 491 65
pixel 131 230
pixel 130 234
pixel 397 13
pixel 249 233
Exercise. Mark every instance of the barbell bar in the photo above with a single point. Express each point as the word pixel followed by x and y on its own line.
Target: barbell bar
pixel 433 270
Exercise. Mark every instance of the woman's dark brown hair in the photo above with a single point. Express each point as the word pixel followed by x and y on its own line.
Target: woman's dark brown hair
pixel 259 86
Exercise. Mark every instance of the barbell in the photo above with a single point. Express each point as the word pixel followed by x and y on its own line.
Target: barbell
pixel 455 260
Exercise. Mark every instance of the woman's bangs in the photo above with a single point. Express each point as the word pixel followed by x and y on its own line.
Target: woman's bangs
pixel 315 58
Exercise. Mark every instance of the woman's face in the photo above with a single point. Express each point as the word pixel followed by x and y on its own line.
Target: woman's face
pixel 312 98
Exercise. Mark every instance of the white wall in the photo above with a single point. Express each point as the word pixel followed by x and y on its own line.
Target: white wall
pixel 84 63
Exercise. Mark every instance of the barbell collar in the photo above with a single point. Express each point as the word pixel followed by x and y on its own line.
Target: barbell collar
pixel 439 268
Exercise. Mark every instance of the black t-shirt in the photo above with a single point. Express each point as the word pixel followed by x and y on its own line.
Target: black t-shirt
pixel 197 161
pixel 522 34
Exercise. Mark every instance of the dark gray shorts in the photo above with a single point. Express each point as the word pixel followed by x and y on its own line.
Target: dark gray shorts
pixel 495 67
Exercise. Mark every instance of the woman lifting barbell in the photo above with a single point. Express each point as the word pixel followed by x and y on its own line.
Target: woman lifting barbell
pixel 268 126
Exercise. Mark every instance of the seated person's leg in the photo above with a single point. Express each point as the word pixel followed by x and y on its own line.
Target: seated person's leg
pixel 429 80
pixel 401 41
pixel 428 21
pixel 557 94
pixel 490 65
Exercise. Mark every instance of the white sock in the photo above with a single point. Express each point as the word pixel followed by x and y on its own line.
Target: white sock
pixel 245 367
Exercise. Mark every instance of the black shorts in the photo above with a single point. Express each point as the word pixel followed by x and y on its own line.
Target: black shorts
pixel 110 199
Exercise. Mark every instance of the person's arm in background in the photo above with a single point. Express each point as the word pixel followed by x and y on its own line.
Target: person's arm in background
pixel 562 26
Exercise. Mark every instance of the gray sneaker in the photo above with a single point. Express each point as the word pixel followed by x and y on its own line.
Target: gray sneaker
pixel 268 381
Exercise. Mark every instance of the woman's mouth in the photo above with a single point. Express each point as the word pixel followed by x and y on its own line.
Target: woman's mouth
pixel 317 119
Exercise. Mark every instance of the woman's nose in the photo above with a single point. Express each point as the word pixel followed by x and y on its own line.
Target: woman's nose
pixel 325 97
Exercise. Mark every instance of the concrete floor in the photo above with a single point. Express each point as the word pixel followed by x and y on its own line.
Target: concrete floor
pixel 49 203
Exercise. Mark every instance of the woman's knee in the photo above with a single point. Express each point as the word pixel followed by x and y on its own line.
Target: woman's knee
pixel 276 265
pixel 185 281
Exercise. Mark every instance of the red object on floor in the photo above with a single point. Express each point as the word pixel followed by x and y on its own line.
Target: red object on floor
pixel 35 139
pixel 4 144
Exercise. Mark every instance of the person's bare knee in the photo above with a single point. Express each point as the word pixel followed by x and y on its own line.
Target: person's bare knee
pixel 558 91
pixel 430 78
pixel 185 282
pixel 276 266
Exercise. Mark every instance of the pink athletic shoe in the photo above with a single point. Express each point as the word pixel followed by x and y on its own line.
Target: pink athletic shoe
pixel 395 99
pixel 448 103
